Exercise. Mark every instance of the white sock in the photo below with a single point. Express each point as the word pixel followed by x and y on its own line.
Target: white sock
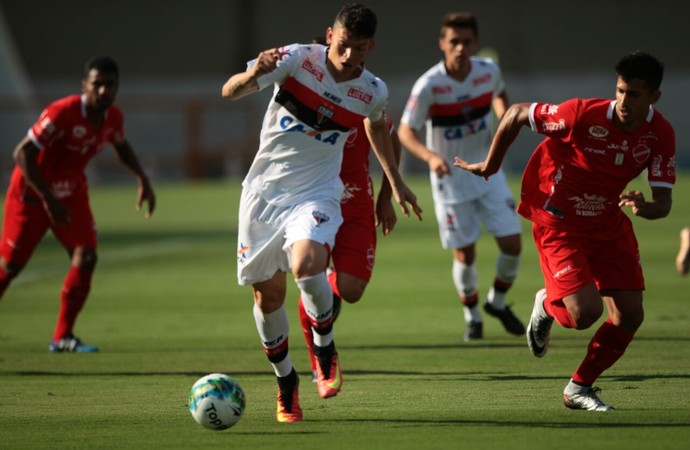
pixel 465 280
pixel 317 297
pixel 472 314
pixel 273 329
pixel 496 298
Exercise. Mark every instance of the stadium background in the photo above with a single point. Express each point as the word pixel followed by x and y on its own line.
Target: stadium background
pixel 175 55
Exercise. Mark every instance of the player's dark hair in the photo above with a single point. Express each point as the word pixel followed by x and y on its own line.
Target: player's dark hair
pixel 459 20
pixel 641 66
pixel 358 20
pixel 103 64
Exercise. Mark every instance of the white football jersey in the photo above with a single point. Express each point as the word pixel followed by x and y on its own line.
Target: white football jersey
pixel 306 125
pixel 458 119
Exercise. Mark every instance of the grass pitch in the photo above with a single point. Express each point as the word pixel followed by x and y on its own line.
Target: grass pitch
pixel 165 309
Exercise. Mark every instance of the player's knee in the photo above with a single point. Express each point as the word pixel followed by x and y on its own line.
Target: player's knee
pixel 352 293
pixel 510 245
pixel 585 316
pixel 84 258
pixel 10 270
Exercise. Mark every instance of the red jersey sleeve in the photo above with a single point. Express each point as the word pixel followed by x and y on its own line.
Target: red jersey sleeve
pixel 661 139
pixel 49 126
pixel 555 121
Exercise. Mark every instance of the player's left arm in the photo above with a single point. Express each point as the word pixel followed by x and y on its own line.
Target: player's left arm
pixel 657 208
pixel 380 141
pixel 500 104
pixel 145 192
pixel 385 213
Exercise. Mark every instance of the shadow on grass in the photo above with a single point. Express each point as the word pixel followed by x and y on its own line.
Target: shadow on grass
pixel 447 376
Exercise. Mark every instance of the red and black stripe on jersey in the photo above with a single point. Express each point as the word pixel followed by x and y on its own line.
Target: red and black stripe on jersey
pixel 460 113
pixel 314 110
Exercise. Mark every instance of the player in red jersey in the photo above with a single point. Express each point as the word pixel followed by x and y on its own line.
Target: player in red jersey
pixel 354 253
pixel 573 189
pixel 49 190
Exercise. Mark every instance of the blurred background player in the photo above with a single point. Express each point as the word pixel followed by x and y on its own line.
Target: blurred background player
pixel 683 257
pixel 49 190
pixel 355 250
pixel 573 192
pixel 454 99
pixel 290 204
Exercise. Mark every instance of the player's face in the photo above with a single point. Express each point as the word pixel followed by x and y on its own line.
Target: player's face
pixel 633 99
pixel 100 89
pixel 347 52
pixel 457 45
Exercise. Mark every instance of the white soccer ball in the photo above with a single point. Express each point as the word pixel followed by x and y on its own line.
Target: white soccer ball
pixel 216 401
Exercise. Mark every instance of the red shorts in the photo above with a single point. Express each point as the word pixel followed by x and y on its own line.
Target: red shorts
pixel 355 247
pixel 571 260
pixel 26 222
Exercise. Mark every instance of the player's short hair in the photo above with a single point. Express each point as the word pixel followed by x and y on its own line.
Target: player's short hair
pixel 641 66
pixel 358 20
pixel 459 20
pixel 103 64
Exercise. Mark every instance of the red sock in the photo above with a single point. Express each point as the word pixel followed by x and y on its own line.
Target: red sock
pixel 333 281
pixel 75 290
pixel 4 281
pixel 557 310
pixel 470 300
pixel 307 331
pixel 607 346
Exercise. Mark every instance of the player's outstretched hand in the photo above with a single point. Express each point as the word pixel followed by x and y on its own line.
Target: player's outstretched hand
pixel 403 196
pixel 479 169
pixel 146 194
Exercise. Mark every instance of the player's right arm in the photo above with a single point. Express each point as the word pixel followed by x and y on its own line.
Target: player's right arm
pixel 508 129
pixel 245 83
pixel 25 156
pixel 409 138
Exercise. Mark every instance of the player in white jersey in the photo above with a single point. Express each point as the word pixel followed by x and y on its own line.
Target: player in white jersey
pixel 290 205
pixel 454 100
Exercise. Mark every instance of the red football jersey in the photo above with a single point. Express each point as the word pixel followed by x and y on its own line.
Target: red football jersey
pixel 358 194
pixel 68 142
pixel 575 176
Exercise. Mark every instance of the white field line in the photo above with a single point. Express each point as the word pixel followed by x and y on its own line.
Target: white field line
pixel 114 257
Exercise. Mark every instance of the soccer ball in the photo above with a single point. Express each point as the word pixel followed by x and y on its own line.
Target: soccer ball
pixel 216 401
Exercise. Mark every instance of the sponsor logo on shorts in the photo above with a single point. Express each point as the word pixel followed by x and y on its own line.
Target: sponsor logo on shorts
pixel 320 217
pixel 242 251
pixel 563 271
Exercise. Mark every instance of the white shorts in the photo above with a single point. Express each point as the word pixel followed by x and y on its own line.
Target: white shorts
pixel 266 233
pixel 460 224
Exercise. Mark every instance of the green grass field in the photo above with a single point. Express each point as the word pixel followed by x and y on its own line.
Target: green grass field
pixel 165 309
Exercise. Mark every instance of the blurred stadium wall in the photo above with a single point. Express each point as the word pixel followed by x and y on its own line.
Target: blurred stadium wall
pixel 174 56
